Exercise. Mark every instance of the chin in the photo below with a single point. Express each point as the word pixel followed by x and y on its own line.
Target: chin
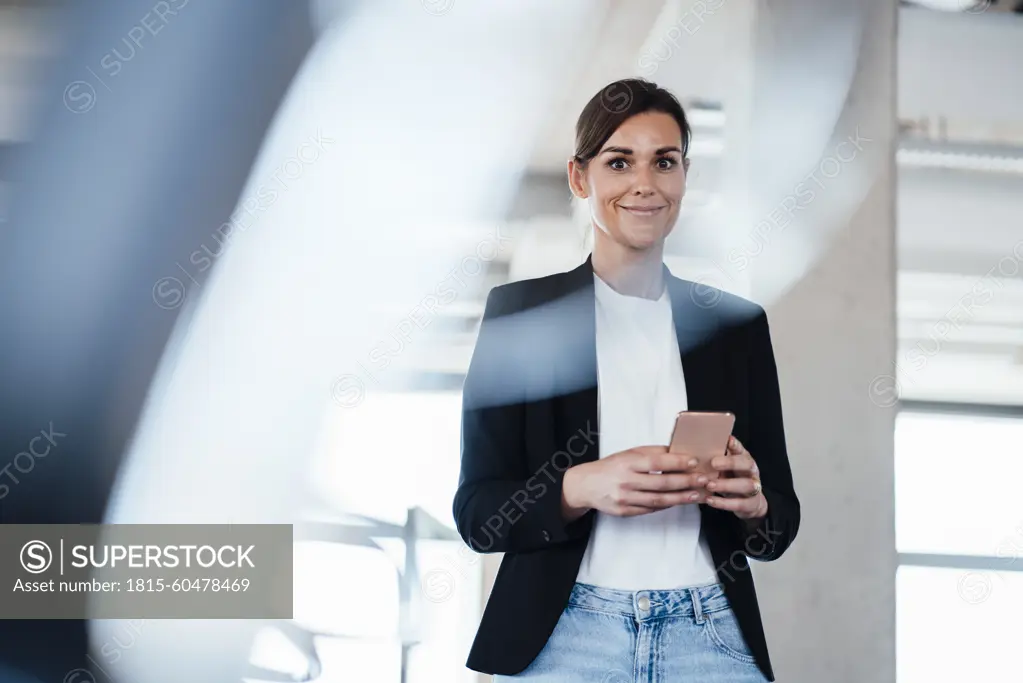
pixel 643 238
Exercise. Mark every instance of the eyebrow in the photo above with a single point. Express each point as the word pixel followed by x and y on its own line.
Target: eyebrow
pixel 628 151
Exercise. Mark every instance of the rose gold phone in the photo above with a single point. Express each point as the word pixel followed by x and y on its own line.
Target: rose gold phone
pixel 702 435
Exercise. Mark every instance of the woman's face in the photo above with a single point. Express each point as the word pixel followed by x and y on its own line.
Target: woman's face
pixel 636 182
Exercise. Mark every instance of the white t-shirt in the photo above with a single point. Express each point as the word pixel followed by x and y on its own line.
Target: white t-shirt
pixel 640 388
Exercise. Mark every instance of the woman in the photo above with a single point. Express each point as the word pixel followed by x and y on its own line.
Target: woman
pixel 611 572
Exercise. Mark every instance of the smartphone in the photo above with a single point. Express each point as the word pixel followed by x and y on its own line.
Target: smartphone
pixel 702 435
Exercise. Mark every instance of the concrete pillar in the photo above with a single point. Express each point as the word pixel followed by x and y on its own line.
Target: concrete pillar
pixel 813 135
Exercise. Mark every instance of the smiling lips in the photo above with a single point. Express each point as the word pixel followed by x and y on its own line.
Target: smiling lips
pixel 643 210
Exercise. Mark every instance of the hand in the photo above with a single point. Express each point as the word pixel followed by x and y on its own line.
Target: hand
pixel 621 484
pixel 739 478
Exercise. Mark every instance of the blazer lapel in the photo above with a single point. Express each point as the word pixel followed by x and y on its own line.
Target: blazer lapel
pixel 574 390
pixel 695 330
pixel 703 364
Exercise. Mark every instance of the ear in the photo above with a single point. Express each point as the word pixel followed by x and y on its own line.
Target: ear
pixel 577 179
pixel 685 164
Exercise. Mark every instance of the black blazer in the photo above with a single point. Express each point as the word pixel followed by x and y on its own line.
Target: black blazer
pixel 529 412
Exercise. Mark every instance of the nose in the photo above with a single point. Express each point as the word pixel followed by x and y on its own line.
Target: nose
pixel 644 183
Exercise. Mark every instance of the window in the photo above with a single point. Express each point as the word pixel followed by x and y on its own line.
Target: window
pixel 959 533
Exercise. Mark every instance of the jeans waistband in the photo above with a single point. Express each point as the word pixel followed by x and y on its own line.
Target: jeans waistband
pixel 651 604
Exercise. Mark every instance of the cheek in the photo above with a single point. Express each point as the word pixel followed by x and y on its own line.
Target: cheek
pixel 604 211
pixel 608 188
pixel 673 189
pixel 605 201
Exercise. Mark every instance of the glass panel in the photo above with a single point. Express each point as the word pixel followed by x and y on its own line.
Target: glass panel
pixel 954 625
pixel 391 452
pixel 452 583
pixel 957 485
pixel 345 590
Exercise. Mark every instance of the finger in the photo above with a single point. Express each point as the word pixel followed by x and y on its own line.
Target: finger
pixel 659 500
pixel 739 463
pixel 649 450
pixel 649 461
pixel 726 463
pixel 741 506
pixel 666 462
pixel 740 486
pixel 633 510
pixel 735 446
pixel 665 482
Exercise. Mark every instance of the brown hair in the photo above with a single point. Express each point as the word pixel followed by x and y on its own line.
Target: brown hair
pixel 617 102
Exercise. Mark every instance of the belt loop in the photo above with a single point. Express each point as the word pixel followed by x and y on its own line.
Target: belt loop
pixel 694 596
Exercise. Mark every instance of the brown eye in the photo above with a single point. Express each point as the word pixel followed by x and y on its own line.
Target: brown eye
pixel 666 163
pixel 617 160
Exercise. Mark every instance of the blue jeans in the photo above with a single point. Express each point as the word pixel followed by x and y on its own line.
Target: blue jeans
pixel 652 636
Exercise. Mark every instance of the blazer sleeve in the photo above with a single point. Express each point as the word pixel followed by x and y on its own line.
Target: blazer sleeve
pixel 499 505
pixel 766 443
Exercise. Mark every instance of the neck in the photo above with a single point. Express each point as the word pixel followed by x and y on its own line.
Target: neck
pixel 632 272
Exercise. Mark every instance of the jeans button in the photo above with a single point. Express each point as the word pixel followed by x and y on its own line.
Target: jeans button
pixel 644 603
